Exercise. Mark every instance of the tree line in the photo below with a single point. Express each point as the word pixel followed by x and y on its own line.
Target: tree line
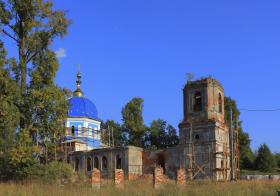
pixel 158 135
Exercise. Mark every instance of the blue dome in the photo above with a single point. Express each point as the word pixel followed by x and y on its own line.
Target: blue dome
pixel 82 107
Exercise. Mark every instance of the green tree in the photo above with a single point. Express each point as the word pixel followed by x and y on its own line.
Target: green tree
pixel 9 101
pixel 33 25
pixel 47 104
pixel 172 137
pixel 246 155
pixel 20 161
pixel 133 121
pixel 110 128
pixel 277 158
pixel 265 160
pixel 161 135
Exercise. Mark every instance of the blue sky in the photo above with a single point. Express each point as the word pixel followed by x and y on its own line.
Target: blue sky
pixel 144 48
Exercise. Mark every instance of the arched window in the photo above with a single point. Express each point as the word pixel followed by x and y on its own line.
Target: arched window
pixel 89 164
pixel 118 162
pixel 220 103
pixel 96 163
pixel 222 164
pixel 197 102
pixel 73 130
pixel 104 163
pixel 77 164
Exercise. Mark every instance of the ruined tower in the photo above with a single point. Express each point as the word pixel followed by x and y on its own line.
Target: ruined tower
pixel 203 131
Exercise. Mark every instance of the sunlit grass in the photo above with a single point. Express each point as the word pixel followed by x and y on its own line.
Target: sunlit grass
pixel 144 187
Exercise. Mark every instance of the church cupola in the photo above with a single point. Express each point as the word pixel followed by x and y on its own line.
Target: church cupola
pixel 78 92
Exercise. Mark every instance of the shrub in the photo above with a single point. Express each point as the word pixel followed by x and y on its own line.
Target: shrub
pixel 56 172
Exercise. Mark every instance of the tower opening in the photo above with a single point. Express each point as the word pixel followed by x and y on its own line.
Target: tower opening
pixel 220 103
pixel 197 102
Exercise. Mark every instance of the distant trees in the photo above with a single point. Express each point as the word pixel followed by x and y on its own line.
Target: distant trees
pixel 246 155
pixel 115 132
pixel 265 160
pixel 161 135
pixel 133 131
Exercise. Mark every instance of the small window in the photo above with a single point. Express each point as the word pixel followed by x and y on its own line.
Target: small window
pixel 73 130
pixel 96 163
pixel 77 165
pixel 197 102
pixel 196 137
pixel 220 103
pixel 222 164
pixel 104 163
pixel 118 162
pixel 89 164
pixel 79 130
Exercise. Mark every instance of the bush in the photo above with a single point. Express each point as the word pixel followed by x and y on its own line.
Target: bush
pixel 56 172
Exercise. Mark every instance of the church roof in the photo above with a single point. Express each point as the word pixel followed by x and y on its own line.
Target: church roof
pixel 82 107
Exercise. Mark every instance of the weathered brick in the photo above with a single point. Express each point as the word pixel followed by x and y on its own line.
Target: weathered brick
pixel 119 178
pixel 95 178
pixel 158 180
pixel 181 177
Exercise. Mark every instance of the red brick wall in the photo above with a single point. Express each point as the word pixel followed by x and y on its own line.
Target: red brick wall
pixel 95 178
pixel 181 177
pixel 119 178
pixel 158 177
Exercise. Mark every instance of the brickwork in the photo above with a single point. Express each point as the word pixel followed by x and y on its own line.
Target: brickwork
pixel 95 178
pixel 133 177
pixel 181 177
pixel 119 178
pixel 158 180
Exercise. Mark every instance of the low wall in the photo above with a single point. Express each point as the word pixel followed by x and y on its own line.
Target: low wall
pixel 260 177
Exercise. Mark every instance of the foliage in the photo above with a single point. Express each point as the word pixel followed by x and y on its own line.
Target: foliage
pixel 119 136
pixel 33 25
pixel 161 135
pixel 56 172
pixel 32 107
pixel 47 103
pixel 9 101
pixel 246 155
pixel 265 160
pixel 277 158
pixel 133 121
pixel 20 161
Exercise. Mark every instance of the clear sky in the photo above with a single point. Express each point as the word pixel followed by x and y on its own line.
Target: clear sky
pixel 144 48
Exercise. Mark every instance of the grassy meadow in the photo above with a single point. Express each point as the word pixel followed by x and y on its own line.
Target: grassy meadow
pixel 144 187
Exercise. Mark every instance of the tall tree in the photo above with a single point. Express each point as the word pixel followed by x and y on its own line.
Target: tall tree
pixel 47 103
pixel 9 101
pixel 265 160
pixel 245 153
pixel 33 25
pixel 133 121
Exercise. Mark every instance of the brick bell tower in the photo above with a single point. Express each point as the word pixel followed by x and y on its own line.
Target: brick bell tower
pixel 203 130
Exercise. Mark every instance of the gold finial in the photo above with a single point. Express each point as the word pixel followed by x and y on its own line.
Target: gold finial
pixel 78 92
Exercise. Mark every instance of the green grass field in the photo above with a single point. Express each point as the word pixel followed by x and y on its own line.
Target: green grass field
pixel 144 187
